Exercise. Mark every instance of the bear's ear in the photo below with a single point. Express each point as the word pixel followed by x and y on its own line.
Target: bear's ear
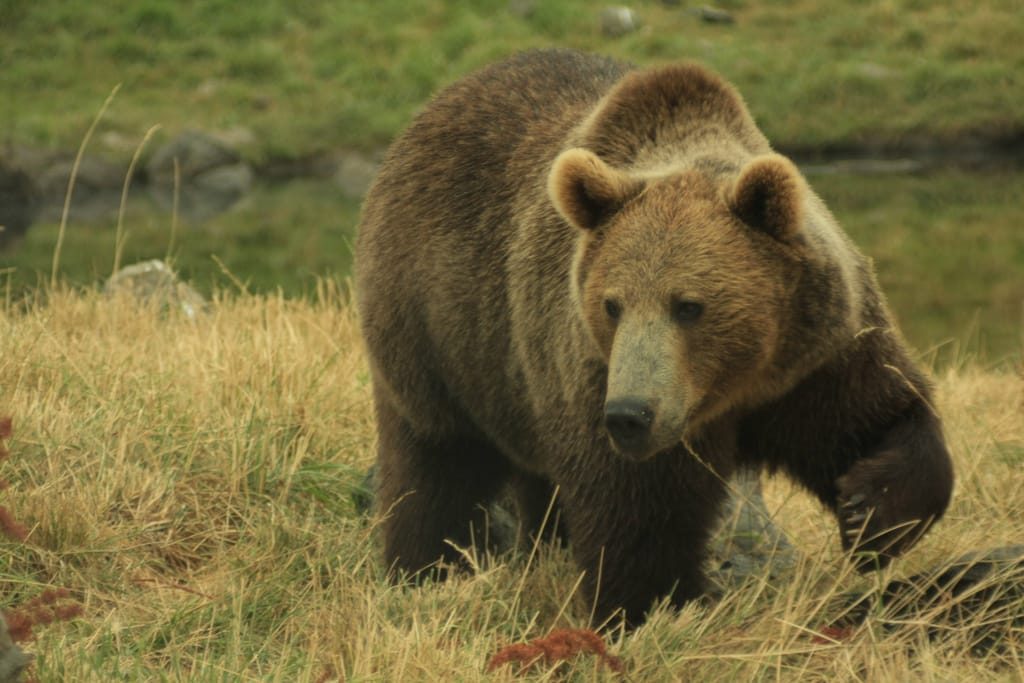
pixel 769 195
pixel 587 191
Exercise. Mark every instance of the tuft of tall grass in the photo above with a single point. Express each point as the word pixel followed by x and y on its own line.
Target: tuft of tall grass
pixel 190 481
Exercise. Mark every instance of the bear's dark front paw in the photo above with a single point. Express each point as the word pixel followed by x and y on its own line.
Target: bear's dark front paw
pixel 863 530
pixel 881 512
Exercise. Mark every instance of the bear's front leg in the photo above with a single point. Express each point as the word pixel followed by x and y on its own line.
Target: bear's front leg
pixel 890 497
pixel 639 531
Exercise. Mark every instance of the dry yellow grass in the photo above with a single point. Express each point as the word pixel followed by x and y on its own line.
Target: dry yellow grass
pixel 190 482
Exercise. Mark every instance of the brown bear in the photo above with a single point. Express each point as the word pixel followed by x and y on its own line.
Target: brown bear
pixel 575 275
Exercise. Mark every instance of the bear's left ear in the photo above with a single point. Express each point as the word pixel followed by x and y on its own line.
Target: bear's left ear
pixel 769 196
pixel 587 191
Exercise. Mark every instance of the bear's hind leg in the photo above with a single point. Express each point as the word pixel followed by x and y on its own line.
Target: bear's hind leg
pixel 433 493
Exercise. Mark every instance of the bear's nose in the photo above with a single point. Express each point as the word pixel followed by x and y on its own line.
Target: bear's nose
pixel 629 422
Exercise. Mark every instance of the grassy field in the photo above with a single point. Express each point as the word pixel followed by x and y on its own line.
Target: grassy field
pixel 279 237
pixel 190 481
pixel 949 253
pixel 315 78
pixel 321 74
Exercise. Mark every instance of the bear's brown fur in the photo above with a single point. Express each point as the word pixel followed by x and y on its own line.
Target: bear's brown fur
pixel 578 275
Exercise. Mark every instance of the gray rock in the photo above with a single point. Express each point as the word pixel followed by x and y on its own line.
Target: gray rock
pixel 197 152
pixel 98 182
pixel 94 176
pixel 156 281
pixel 228 181
pixel 212 175
pixel 618 21
pixel 746 519
pixel 713 15
pixel 355 173
pixel 205 195
pixel 977 598
pixel 118 143
pixel 19 204
pixel 521 8
pixel 30 160
pixel 12 660
pixel 235 137
pixel 747 542
pixel 874 71
pixel 96 194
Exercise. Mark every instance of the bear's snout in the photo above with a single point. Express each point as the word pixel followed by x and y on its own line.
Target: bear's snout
pixel 629 421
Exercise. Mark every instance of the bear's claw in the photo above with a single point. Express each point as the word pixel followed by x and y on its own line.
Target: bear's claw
pixel 854 500
pixel 865 526
pixel 855 519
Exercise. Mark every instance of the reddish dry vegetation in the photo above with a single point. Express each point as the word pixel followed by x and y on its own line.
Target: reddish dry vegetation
pixel 50 605
pixel 46 608
pixel 558 646
pixel 832 634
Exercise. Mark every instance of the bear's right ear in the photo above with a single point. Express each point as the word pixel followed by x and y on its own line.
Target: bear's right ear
pixel 769 196
pixel 587 191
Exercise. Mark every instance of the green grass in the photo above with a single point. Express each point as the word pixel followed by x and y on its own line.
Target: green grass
pixel 321 75
pixel 948 250
pixel 190 480
pixel 324 75
pixel 281 236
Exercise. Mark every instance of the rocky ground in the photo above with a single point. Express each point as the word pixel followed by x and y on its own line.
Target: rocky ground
pixel 207 174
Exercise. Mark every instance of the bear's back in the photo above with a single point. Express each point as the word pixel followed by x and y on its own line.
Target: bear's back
pixel 453 174
pixel 461 144
pixel 437 229
pixel 484 117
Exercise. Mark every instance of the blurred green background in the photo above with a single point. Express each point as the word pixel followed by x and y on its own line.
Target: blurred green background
pixel 928 97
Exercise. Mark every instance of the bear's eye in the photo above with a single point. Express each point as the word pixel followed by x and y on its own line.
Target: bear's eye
pixel 686 311
pixel 612 308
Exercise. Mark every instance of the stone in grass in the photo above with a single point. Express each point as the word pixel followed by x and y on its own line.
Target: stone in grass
pixel 618 21
pixel 196 152
pixel 96 192
pixel 747 542
pixel 522 8
pixel 18 204
pixel 712 15
pixel 977 599
pixel 155 281
pixel 12 660
pixel 211 175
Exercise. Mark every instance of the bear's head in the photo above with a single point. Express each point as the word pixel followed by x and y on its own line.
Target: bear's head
pixel 685 282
